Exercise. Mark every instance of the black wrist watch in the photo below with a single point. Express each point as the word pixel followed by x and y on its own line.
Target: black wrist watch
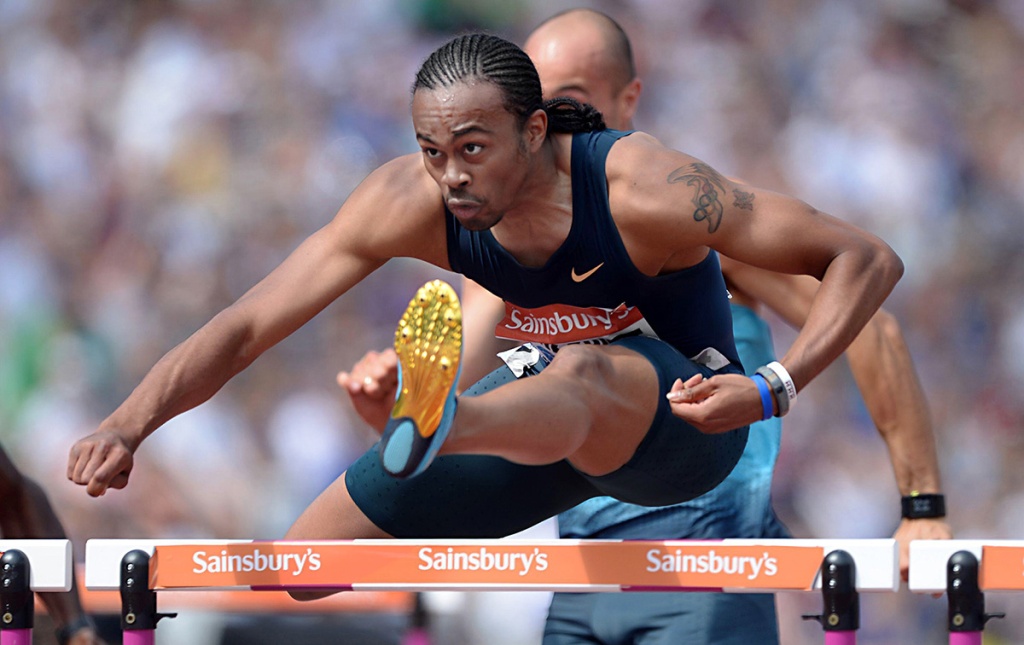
pixel 917 506
pixel 65 633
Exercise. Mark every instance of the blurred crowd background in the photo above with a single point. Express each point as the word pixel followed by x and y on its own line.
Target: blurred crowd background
pixel 158 157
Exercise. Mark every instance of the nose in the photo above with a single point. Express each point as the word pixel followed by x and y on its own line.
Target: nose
pixel 455 176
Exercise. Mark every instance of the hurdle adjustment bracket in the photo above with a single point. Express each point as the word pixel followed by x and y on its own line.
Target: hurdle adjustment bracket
pixel 966 600
pixel 17 604
pixel 841 612
pixel 138 601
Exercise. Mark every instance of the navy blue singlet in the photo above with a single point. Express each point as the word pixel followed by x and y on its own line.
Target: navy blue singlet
pixel 688 309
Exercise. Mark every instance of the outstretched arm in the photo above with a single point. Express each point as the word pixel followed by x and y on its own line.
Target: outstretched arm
pixel 26 513
pixel 393 213
pixel 884 371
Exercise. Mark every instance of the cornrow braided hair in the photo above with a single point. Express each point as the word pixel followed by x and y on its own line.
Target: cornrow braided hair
pixel 569 115
pixel 498 61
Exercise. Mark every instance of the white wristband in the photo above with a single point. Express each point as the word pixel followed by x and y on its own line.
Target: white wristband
pixel 787 380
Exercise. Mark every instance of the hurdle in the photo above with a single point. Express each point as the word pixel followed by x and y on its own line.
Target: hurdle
pixel 966 570
pixel 140 569
pixel 28 566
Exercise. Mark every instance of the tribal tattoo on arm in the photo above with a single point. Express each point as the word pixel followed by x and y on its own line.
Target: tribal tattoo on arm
pixel 708 187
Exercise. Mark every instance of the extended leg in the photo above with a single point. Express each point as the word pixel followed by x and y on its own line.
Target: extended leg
pixel 592 405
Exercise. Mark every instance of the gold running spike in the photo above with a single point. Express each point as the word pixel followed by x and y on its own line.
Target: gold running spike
pixel 429 353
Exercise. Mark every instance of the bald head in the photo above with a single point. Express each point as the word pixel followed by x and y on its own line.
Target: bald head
pixel 586 55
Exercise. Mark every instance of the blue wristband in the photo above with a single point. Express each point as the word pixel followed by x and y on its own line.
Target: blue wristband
pixel 767 409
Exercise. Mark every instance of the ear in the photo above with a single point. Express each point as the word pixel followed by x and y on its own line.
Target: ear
pixel 629 98
pixel 535 130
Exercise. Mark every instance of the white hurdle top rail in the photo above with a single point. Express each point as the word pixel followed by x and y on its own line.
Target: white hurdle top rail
pixel 1001 564
pixel 732 565
pixel 50 562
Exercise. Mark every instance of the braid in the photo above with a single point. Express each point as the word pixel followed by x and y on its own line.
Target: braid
pixel 569 115
pixel 490 58
pixel 500 62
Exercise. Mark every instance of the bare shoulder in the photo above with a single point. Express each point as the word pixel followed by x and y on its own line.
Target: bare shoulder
pixel 644 178
pixel 401 182
pixel 640 168
pixel 636 147
pixel 396 211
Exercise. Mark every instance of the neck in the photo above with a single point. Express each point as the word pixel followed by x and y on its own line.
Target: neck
pixel 540 220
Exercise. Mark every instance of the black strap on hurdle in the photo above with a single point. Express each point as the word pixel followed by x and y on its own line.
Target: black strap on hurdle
pixel 966 601
pixel 839 593
pixel 138 601
pixel 17 604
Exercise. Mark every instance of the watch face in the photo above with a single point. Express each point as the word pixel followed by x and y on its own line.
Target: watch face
pixel 924 506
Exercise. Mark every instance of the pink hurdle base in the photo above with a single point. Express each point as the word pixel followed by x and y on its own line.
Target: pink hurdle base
pixel 16 637
pixel 841 638
pixel 138 637
pixel 416 637
pixel 965 638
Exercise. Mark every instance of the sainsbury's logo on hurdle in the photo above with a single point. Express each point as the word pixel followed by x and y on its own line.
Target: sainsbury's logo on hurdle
pixel 712 563
pixel 482 560
pixel 224 562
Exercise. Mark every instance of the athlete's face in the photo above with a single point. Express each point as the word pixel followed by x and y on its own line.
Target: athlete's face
pixel 473 148
pixel 572 62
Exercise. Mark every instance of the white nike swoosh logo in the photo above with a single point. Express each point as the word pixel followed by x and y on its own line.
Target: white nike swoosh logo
pixel 576 277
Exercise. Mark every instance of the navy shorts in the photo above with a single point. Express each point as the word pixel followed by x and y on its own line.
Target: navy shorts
pixel 475 496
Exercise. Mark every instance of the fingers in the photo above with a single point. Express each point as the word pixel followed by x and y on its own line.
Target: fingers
pixel 99 463
pixel 112 473
pixel 375 375
pixel 716 404
pixel 688 391
pixel 904 561
pixel 919 529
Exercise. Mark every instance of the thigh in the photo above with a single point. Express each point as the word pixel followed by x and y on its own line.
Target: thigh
pixel 465 496
pixel 674 462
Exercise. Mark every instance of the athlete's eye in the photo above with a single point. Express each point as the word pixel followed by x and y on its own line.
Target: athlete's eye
pixel 431 153
pixel 473 148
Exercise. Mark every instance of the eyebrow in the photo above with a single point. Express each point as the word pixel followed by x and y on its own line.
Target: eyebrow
pixel 461 132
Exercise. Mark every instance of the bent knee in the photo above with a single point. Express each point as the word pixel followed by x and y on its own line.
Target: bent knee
pixel 586 363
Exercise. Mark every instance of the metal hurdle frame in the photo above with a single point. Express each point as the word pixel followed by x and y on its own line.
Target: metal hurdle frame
pixel 966 570
pixel 140 569
pixel 28 566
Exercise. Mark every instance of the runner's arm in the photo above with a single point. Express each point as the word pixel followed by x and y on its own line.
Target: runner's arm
pixel 676 205
pixel 671 206
pixel 884 371
pixel 482 311
pixel 358 240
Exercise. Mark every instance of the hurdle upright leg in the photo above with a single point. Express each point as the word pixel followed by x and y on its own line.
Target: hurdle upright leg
pixel 967 615
pixel 418 633
pixel 138 602
pixel 841 617
pixel 17 602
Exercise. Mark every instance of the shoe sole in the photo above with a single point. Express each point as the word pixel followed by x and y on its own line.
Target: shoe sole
pixel 428 342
